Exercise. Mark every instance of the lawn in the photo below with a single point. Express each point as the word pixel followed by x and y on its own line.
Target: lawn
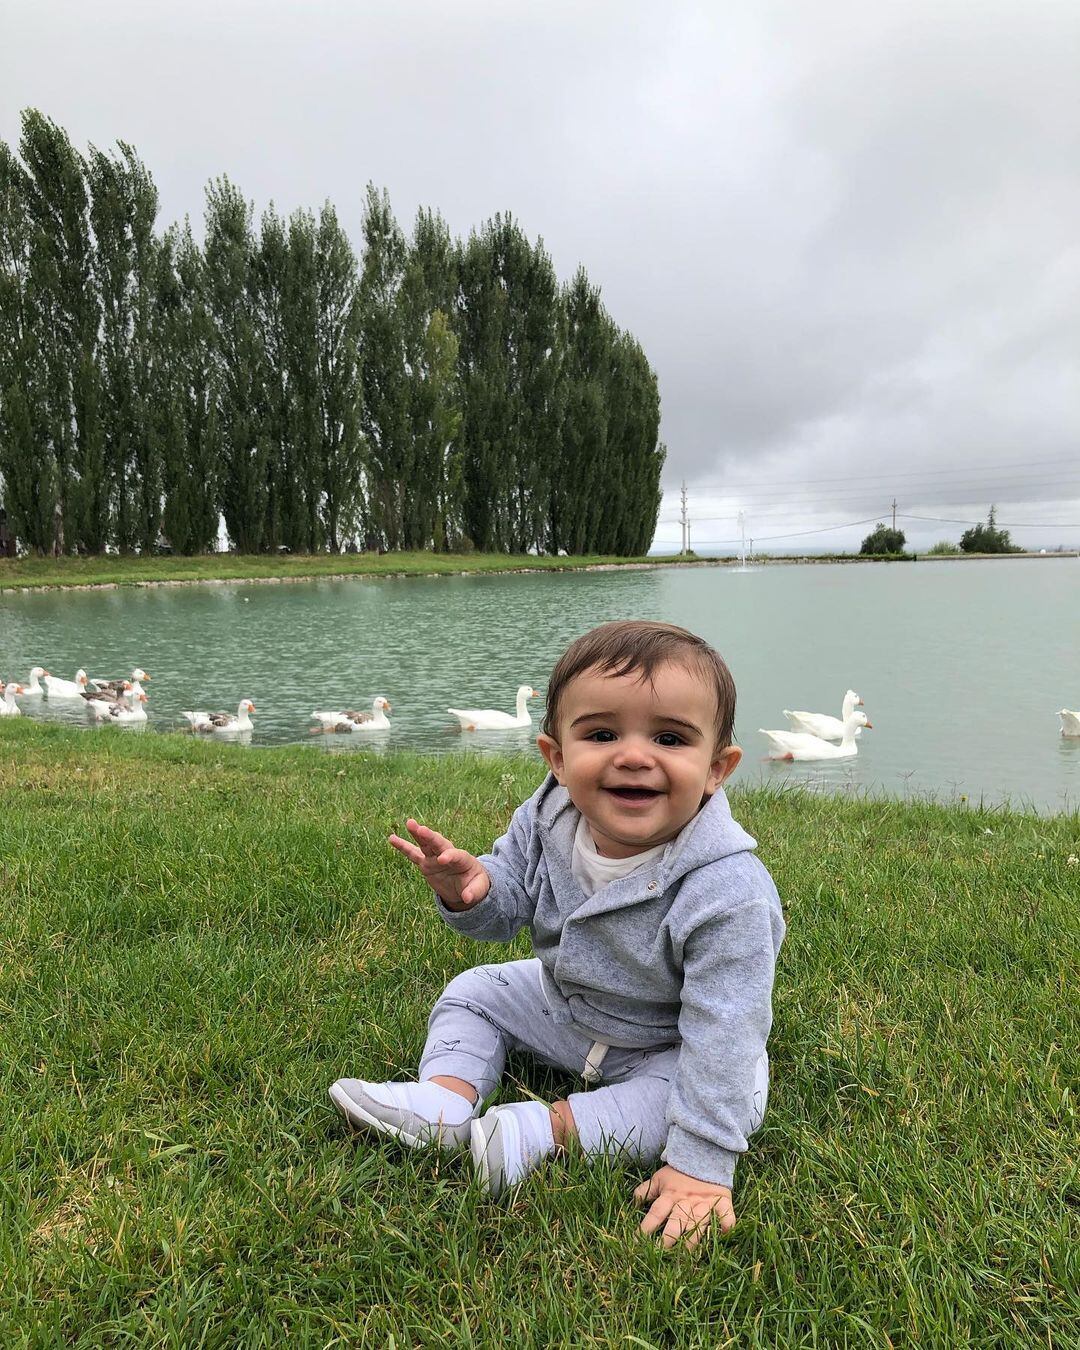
pixel 197 939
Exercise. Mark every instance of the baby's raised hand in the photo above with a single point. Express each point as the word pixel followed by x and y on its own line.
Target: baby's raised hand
pixel 455 876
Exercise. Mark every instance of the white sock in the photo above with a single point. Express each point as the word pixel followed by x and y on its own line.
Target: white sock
pixel 430 1101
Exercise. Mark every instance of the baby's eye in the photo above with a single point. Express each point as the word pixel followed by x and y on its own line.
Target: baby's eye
pixel 669 738
pixel 600 735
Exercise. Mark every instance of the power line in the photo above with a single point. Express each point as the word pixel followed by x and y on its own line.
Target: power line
pixel 816 507
pixel 880 515
pixel 796 534
pixel 984 488
pixel 1008 524
pixel 915 473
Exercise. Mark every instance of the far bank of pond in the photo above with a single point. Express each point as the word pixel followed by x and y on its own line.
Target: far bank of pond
pixel 109 571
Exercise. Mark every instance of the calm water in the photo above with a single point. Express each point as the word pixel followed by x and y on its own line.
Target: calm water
pixel 962 666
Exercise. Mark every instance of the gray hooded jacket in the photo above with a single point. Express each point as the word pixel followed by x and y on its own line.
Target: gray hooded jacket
pixel 681 951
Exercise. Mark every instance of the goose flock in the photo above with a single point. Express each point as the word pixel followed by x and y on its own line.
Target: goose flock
pixel 119 701
pixel 123 701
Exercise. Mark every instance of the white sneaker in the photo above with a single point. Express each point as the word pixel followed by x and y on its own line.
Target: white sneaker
pixel 508 1142
pixel 418 1114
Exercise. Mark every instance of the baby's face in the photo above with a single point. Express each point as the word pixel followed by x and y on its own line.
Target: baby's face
pixel 638 758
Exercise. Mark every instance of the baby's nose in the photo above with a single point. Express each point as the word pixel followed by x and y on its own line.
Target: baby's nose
pixel 634 752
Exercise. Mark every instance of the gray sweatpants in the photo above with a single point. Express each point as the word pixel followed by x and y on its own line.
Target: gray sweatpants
pixel 489 1010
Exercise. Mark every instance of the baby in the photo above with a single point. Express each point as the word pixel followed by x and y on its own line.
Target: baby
pixel 655 929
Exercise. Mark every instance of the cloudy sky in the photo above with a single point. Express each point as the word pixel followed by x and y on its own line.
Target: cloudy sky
pixel 845 233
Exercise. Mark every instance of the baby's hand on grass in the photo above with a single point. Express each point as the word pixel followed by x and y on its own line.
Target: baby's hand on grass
pixel 455 876
pixel 683 1206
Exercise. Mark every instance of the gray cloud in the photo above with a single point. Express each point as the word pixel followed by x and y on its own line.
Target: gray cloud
pixel 844 233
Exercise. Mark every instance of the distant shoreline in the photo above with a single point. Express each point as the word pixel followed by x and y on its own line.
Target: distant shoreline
pixel 111 573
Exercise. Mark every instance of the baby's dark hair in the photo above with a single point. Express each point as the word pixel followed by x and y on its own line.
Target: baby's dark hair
pixel 630 645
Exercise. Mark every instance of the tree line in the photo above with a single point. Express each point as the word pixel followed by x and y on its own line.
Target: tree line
pixel 434 393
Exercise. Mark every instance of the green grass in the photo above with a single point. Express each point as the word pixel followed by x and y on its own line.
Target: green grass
pixel 197 939
pixel 111 570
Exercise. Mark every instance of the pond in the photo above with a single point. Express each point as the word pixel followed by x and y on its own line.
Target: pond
pixel 962 666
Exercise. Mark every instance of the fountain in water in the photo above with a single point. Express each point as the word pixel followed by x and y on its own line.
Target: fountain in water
pixel 743 564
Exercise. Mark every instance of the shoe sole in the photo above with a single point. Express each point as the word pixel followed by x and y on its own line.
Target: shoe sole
pixel 360 1119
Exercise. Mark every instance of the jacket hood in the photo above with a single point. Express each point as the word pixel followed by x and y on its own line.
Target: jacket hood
pixel 711 835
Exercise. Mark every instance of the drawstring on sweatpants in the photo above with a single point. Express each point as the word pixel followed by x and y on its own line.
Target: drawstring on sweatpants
pixel 593 1060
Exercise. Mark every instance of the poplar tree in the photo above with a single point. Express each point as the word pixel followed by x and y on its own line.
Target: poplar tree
pixel 190 468
pixel 301 530
pixel 269 279
pixel 580 474
pixel 340 455
pixel 239 358
pixel 66 314
pixel 629 524
pixel 432 507
pixel 506 323
pixel 384 376
pixel 123 208
pixel 28 479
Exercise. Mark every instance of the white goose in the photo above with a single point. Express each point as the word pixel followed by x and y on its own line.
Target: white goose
pixel 1070 722
pixel 9 708
pixel 799 745
pixel 821 724
pixel 121 712
pixel 351 720
pixel 34 689
pixel 490 719
pixel 57 688
pixel 119 686
pixel 223 723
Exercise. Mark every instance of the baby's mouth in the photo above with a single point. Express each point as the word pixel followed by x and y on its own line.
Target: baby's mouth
pixel 634 794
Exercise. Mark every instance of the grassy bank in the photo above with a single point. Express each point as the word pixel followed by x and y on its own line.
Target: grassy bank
pixel 134 571
pixel 197 939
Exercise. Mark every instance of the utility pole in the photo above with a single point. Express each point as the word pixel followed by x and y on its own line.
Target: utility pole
pixel 685 522
pixel 894 513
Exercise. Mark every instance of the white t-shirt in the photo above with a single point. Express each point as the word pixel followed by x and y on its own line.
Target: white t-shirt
pixel 592 870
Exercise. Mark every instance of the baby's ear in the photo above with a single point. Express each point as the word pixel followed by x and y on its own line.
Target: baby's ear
pixel 723 766
pixel 550 748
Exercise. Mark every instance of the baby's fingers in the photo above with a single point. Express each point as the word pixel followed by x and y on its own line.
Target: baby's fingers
pixel 648 1190
pixel 410 851
pixel 686 1225
pixel 431 841
pixel 455 859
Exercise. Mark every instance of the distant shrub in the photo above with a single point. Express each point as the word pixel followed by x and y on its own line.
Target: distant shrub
pixel 883 540
pixel 987 539
pixel 944 548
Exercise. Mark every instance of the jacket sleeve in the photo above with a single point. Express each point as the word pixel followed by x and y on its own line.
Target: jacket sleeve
pixel 726 1015
pixel 507 908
